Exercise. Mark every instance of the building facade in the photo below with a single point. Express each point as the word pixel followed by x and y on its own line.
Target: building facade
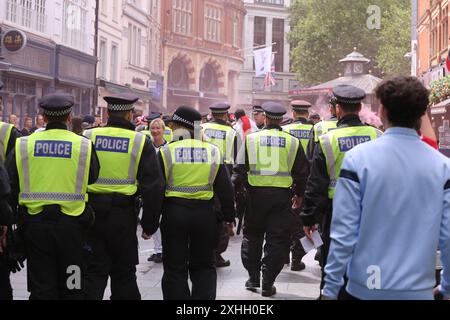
pixel 202 51
pixel 129 52
pixel 432 39
pixel 59 54
pixel 266 23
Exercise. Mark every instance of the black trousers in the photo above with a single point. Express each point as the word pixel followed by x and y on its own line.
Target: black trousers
pixel 5 283
pixel 189 238
pixel 296 234
pixel 54 257
pixel 326 229
pixel 114 253
pixel 269 217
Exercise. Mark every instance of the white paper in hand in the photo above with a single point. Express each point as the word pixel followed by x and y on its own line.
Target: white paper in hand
pixel 307 244
pixel 317 239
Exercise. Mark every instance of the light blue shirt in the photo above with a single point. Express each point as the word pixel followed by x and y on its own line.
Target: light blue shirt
pixel 391 211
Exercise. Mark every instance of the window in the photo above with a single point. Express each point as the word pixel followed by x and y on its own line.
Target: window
pixel 237 32
pixel 278 37
pixel 276 2
pixel 150 7
pixel 149 52
pixel 213 23
pixel 27 13
pixel 102 59
pixel 444 24
pixel 434 37
pixel 134 45
pixel 260 31
pixel 208 79
pixel 74 24
pixel 114 64
pixel 115 9
pixel 103 7
pixel 182 16
pixel 178 76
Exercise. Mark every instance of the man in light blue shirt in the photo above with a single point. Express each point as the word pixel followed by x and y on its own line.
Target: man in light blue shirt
pixel 391 207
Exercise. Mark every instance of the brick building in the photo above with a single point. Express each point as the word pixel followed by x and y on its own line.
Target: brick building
pixel 202 51
pixel 432 39
pixel 432 31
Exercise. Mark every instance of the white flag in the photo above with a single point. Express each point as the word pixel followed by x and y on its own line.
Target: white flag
pixel 263 61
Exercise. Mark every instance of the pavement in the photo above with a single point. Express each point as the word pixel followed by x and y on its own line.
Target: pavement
pixel 303 285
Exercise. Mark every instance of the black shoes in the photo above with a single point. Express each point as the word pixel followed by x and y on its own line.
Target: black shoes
pixel 297 265
pixel 156 258
pixel 221 262
pixel 318 256
pixel 268 290
pixel 253 283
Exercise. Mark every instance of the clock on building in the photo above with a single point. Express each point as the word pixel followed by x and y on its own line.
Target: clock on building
pixel 358 68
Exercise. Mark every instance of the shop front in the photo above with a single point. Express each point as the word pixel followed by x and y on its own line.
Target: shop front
pixel 40 68
pixel 28 75
pixel 75 74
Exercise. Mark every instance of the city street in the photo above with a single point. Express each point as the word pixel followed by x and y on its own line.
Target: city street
pixel 290 285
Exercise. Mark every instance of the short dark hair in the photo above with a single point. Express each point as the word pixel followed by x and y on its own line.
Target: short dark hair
pixel 118 114
pixel 239 113
pixel 350 107
pixel 63 119
pixel 406 100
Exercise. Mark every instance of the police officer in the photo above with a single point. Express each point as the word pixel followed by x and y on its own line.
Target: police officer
pixel 322 128
pixel 274 162
pixel 128 166
pixel 205 117
pixel 221 134
pixel 194 175
pixel 300 128
pixel 50 172
pixel 6 219
pixel 319 129
pixel 259 117
pixel 327 160
pixel 8 137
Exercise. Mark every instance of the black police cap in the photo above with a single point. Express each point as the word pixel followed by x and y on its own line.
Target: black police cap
pixel 348 94
pixel 89 119
pixel 221 107
pixel 123 102
pixel 274 110
pixel 153 116
pixel 257 109
pixel 186 116
pixel 57 104
pixel 300 105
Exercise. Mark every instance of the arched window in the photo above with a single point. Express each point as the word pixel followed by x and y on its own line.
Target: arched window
pixel 208 79
pixel 178 76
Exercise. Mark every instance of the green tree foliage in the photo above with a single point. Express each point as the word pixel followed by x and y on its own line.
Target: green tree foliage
pixel 325 31
pixel 395 41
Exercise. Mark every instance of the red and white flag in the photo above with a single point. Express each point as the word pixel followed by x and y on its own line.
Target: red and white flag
pixel 262 60
pixel 269 80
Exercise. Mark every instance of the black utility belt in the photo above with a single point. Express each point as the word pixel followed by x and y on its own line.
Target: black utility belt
pixel 115 199
pixel 51 213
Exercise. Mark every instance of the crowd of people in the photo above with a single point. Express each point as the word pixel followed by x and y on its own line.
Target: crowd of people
pixel 379 197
